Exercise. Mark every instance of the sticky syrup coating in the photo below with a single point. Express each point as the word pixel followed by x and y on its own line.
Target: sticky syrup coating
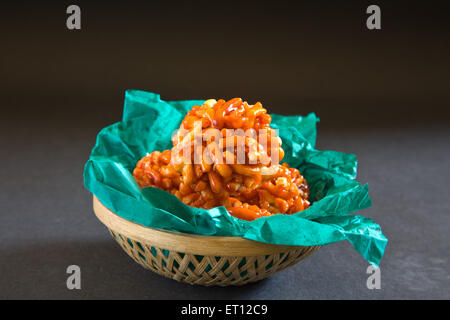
pixel 256 188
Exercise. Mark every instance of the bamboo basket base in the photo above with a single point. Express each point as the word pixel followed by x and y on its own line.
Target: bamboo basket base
pixel 198 259
pixel 210 270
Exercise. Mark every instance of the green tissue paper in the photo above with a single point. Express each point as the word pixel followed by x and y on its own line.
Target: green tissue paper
pixel 147 125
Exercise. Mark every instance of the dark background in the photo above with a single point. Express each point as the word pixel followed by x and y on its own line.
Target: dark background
pixel 383 95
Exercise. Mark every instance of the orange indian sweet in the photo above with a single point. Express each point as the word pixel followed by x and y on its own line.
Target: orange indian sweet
pixel 246 178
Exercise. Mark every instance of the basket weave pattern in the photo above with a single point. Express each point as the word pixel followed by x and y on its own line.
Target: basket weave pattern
pixel 198 259
pixel 210 270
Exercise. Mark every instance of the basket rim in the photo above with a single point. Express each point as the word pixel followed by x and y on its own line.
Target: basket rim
pixel 184 242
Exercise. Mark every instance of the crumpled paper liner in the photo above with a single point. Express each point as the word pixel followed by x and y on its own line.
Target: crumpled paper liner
pixel 147 125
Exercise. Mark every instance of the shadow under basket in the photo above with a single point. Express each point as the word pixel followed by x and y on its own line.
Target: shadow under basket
pixel 197 259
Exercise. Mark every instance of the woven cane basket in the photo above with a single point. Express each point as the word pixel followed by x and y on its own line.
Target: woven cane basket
pixel 197 259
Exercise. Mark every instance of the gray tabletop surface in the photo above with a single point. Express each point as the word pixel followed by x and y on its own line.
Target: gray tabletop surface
pixel 47 224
